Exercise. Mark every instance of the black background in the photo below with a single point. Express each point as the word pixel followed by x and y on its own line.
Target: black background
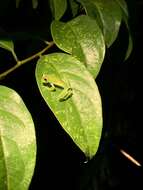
pixel 60 164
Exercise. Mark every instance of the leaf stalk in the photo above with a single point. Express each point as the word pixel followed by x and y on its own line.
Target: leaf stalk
pixel 22 62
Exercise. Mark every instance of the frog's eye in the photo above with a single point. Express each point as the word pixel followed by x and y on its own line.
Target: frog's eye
pixel 44 79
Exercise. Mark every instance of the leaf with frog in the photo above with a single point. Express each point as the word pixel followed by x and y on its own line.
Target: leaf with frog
pixel 80 111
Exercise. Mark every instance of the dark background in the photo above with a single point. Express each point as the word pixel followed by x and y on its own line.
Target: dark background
pixel 60 164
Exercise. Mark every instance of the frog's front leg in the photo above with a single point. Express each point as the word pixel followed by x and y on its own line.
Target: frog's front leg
pixel 50 86
pixel 65 94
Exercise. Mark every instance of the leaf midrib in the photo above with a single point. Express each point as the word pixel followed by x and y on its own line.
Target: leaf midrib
pixel 76 41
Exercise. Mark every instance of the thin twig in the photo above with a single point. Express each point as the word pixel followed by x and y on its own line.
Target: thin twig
pixel 19 63
pixel 129 157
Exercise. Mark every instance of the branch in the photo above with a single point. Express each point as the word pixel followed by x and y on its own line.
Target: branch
pixel 20 63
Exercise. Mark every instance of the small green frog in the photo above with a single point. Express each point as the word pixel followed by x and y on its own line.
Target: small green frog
pixel 51 81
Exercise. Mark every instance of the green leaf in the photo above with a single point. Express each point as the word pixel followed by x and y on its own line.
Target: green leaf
pixel 58 8
pixel 108 14
pixel 123 6
pixel 82 38
pixel 81 114
pixel 130 47
pixel 7 44
pixel 17 142
pixel 130 40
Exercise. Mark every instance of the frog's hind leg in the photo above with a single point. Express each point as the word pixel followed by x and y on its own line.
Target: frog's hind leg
pixel 65 94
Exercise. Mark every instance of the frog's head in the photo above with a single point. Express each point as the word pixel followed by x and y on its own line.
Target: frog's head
pixel 46 83
pixel 44 79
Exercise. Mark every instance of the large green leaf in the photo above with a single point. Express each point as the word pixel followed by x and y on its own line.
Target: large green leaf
pixel 82 38
pixel 81 114
pixel 17 142
pixel 130 46
pixel 123 6
pixel 108 14
pixel 58 8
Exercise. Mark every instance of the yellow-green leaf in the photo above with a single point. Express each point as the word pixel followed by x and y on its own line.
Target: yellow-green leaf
pixel 83 39
pixel 7 44
pixel 58 8
pixel 108 14
pixel 81 113
pixel 17 142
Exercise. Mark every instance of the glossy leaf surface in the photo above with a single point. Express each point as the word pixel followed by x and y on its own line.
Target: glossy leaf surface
pixel 83 39
pixel 17 142
pixel 81 114
pixel 58 8
pixel 108 14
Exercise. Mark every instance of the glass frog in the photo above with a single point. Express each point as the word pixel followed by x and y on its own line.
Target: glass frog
pixel 51 81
